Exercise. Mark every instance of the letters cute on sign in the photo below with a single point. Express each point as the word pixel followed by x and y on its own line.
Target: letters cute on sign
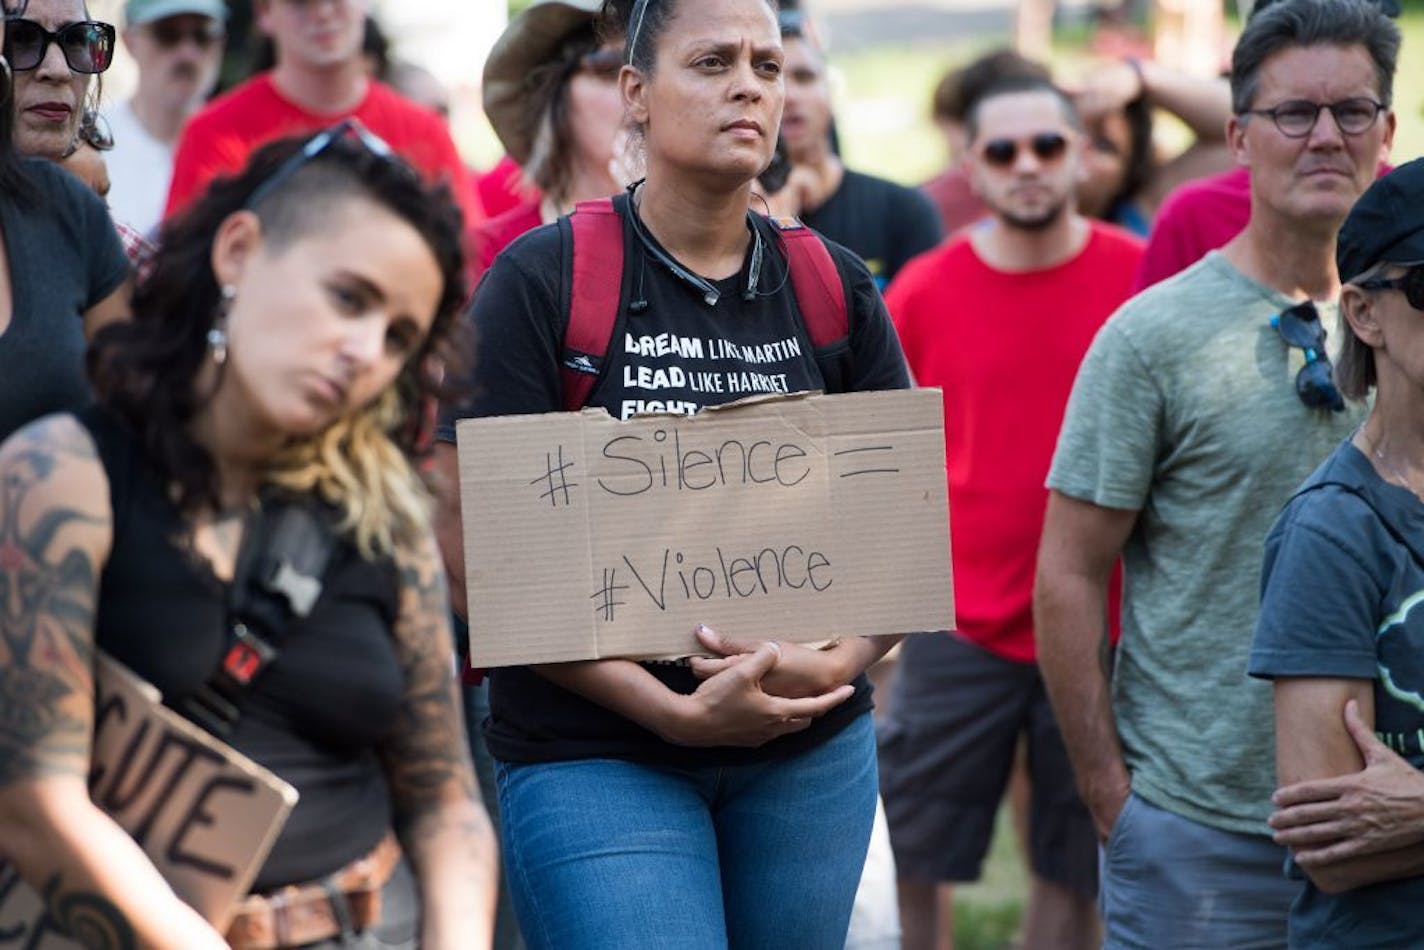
pixel 205 815
pixel 799 518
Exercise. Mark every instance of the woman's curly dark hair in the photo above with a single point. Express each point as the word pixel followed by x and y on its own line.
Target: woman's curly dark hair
pixel 146 370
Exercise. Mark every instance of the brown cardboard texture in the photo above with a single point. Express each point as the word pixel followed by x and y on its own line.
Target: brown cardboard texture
pixel 796 518
pixel 205 815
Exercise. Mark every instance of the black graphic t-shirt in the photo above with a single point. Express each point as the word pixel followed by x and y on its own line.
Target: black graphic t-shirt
pixel 885 223
pixel 1342 596
pixel 678 355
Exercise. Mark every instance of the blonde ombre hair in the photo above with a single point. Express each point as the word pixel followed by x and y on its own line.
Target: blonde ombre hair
pixel 356 466
pixel 146 370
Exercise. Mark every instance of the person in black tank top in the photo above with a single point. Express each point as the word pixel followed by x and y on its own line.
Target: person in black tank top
pixel 280 351
pixel 729 801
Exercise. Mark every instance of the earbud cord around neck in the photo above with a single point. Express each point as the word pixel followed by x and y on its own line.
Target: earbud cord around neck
pixel 710 294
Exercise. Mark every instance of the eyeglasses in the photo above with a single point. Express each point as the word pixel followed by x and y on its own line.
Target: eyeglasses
pixel 87 45
pixel 1048 147
pixel 1412 283
pixel 171 32
pixel 1300 327
pixel 1296 118
pixel 602 63
pixel 317 144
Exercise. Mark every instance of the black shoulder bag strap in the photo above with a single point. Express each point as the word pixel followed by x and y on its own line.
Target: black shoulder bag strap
pixel 277 580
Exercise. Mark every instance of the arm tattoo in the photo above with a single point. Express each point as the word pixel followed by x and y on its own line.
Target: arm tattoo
pixel 47 598
pixel 86 917
pixel 426 753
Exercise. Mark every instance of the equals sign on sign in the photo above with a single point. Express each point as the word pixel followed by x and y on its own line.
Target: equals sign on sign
pixel 866 461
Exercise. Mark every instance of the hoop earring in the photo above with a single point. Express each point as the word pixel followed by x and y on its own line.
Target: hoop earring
pixel 217 333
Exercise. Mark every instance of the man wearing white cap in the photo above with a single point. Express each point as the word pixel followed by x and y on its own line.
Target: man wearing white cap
pixel 177 45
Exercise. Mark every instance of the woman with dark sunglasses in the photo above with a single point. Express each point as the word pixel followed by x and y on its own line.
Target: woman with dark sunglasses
pixel 57 54
pixel 66 272
pixel 1341 628
pixel 276 360
pixel 727 801
pixel 551 93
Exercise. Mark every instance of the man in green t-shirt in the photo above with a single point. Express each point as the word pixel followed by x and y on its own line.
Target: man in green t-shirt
pixel 1201 405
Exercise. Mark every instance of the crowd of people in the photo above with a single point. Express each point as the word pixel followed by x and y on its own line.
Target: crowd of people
pixel 1184 458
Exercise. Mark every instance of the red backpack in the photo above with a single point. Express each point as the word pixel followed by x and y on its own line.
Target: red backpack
pixel 594 313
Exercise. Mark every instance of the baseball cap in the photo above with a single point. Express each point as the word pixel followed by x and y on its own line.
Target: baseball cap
pixel 531 39
pixel 147 11
pixel 1386 224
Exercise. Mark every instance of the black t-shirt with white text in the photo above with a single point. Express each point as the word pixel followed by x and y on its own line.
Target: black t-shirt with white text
pixel 884 223
pixel 678 355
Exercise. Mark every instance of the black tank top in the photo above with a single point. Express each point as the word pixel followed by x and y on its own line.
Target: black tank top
pixel 314 716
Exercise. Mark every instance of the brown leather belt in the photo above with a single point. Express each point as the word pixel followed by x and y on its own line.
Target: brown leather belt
pixel 348 901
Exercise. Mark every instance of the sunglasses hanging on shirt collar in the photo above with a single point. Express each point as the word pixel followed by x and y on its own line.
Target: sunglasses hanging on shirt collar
pixel 1300 327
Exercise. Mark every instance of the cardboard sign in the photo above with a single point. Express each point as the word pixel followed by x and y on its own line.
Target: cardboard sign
pixel 205 815
pixel 800 518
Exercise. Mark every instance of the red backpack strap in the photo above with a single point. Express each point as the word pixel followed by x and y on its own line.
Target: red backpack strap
pixel 815 281
pixel 593 297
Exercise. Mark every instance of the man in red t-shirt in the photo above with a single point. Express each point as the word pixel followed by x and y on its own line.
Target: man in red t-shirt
pixel 1000 319
pixel 319 80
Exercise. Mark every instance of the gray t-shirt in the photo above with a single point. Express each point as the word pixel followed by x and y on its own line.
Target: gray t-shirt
pixel 64 258
pixel 1185 410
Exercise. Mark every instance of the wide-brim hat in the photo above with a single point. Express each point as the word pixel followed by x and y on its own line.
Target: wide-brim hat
pixel 1386 224
pixel 530 40
pixel 148 11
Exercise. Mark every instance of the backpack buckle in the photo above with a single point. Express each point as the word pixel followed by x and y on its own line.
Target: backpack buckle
pixel 248 655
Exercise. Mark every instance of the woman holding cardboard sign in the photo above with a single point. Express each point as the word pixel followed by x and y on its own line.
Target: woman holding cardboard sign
pixel 739 789
pixel 237 523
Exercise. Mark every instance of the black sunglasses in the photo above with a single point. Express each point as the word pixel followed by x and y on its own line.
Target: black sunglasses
pixel 171 32
pixel 87 45
pixel 1046 146
pixel 602 63
pixel 1300 327
pixel 317 144
pixel 1412 283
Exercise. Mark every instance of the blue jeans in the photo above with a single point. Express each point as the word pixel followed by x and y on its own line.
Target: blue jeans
pixel 602 853
pixel 1170 883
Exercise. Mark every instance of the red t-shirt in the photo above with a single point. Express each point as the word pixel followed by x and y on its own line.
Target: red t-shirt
pixel 490 237
pixel 219 139
pixel 1196 217
pixel 503 188
pixel 1005 348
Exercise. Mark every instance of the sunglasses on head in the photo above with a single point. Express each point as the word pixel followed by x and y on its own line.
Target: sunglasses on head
pixel 169 33
pixel 317 144
pixel 87 45
pixel 1412 283
pixel 1046 147
pixel 1300 327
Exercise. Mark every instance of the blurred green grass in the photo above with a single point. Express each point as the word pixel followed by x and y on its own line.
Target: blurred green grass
pixel 987 912
pixel 883 98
